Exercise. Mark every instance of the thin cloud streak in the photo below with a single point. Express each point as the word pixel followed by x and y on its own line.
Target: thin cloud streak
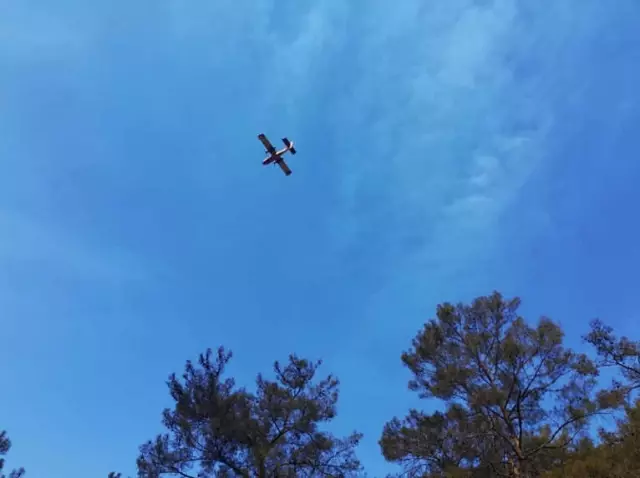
pixel 430 100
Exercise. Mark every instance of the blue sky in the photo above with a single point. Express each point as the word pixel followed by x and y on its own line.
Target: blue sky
pixel 445 149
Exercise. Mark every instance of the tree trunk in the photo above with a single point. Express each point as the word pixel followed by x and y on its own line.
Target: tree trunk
pixel 515 468
pixel 516 462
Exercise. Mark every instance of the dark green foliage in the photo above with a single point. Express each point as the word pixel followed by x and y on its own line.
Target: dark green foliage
pixel 515 397
pixel 5 446
pixel 217 429
pixel 516 403
pixel 617 455
pixel 621 353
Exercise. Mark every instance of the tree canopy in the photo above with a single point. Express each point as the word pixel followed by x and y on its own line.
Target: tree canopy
pixel 218 429
pixel 621 353
pixel 514 396
pixel 617 455
pixel 5 446
pixel 511 399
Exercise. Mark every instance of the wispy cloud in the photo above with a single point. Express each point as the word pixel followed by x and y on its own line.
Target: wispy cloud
pixel 440 132
pixel 425 113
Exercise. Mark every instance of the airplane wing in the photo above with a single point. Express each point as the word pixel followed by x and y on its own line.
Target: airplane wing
pixel 284 166
pixel 267 144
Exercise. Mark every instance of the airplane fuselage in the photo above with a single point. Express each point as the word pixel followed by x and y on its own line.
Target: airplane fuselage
pixel 274 157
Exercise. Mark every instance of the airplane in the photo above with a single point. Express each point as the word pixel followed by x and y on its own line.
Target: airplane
pixel 276 156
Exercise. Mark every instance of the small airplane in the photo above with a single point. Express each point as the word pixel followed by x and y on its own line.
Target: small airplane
pixel 276 156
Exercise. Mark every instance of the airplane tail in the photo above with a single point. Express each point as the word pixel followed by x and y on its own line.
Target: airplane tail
pixel 289 145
